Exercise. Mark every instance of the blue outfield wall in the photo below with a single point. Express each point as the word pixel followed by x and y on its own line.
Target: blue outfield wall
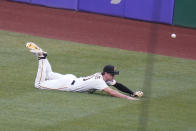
pixel 148 10
pixel 67 4
pixel 103 6
pixel 27 1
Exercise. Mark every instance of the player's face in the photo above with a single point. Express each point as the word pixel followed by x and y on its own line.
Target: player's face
pixel 109 76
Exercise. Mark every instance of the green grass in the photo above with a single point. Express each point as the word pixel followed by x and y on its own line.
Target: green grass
pixel 24 108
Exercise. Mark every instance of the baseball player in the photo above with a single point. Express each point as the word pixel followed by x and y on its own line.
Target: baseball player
pixel 47 79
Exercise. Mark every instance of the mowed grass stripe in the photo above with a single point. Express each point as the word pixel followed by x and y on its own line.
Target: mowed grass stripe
pixel 23 107
pixel 28 108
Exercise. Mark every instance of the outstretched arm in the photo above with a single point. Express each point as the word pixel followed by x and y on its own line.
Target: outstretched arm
pixel 123 88
pixel 118 94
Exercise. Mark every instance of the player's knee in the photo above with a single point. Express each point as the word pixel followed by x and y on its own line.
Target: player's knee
pixel 36 85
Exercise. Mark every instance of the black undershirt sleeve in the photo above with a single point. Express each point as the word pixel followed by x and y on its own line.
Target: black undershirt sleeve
pixel 123 88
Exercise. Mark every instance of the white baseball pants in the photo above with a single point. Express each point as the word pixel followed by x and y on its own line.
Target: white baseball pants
pixel 47 79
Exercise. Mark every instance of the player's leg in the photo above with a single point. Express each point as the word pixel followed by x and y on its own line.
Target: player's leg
pixel 50 75
pixel 42 83
pixel 54 80
pixel 41 73
pixel 44 68
pixel 45 73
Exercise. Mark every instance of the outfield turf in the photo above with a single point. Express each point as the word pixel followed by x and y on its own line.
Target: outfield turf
pixel 24 108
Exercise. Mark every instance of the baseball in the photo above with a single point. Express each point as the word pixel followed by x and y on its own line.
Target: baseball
pixel 139 93
pixel 173 35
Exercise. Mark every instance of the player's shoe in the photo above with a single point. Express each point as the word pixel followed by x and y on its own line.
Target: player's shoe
pixel 36 50
pixel 33 46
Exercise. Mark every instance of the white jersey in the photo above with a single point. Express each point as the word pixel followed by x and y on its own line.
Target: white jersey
pixel 47 79
pixel 93 82
pixel 71 83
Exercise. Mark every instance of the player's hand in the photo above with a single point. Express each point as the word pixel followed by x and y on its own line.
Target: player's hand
pixel 138 94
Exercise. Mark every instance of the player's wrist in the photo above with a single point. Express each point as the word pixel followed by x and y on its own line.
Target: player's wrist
pixel 134 95
pixel 132 98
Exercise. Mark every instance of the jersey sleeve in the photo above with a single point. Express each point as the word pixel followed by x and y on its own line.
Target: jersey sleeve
pixel 100 85
pixel 111 83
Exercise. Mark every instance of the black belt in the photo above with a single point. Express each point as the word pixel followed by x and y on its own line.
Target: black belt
pixel 73 82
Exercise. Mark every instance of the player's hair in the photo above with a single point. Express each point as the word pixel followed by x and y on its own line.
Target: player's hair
pixel 102 73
